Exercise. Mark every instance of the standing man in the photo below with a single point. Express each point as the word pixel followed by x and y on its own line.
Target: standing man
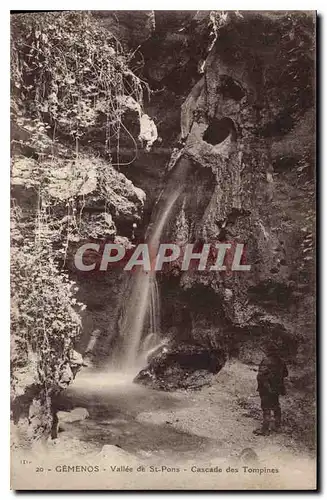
pixel 271 375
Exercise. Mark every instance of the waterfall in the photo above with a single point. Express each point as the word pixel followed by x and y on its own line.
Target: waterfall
pixel 143 304
pixel 154 307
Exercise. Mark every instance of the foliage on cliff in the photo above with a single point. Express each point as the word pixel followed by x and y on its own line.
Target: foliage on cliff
pixel 70 74
pixel 69 78
pixel 43 316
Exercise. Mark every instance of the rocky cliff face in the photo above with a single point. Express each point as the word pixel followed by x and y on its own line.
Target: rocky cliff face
pixel 251 129
pixel 233 95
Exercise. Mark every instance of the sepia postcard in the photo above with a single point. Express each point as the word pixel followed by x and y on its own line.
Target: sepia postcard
pixel 163 273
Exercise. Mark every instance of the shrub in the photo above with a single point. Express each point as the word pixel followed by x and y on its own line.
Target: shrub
pixel 44 315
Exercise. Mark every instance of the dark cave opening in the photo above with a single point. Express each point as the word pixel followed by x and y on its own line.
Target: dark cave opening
pixel 218 130
pixel 230 89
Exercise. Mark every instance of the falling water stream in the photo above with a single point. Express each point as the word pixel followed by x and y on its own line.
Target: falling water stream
pixel 143 305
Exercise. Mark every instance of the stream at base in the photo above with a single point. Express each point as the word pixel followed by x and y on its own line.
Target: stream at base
pixel 115 406
pixel 129 424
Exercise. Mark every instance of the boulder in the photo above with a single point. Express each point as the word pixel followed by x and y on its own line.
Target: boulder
pixel 183 366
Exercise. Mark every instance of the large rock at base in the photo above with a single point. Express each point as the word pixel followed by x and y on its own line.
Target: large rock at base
pixel 182 366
